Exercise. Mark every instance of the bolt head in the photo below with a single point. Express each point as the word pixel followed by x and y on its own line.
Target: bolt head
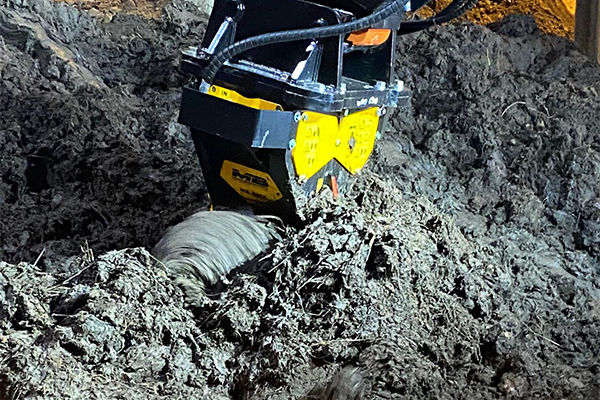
pixel 292 143
pixel 399 85
pixel 352 142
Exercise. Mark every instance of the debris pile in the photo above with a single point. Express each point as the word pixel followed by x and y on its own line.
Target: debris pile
pixel 91 148
pixel 464 264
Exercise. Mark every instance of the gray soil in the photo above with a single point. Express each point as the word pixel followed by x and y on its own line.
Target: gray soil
pixel 465 264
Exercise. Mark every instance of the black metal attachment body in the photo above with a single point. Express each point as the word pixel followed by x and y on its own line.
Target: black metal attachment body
pixel 328 76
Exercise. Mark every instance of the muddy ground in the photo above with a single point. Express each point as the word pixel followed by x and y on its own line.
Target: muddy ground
pixel 464 264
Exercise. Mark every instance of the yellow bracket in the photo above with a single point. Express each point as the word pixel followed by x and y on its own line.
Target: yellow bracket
pixel 235 97
pixel 321 138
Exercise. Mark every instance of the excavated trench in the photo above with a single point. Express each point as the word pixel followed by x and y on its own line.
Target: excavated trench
pixel 464 264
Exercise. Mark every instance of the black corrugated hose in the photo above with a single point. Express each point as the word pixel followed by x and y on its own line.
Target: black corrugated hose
pixel 215 64
pixel 452 11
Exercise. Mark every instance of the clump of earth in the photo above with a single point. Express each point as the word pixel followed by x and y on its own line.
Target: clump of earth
pixel 465 263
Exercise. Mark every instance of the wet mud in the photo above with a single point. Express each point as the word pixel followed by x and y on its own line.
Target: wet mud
pixel 463 265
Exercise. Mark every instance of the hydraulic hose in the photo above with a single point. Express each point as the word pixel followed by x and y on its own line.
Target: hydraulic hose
pixel 452 11
pixel 217 61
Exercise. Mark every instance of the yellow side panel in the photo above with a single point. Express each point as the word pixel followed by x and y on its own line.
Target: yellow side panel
pixel 235 97
pixel 253 185
pixel 321 138
pixel 358 132
pixel 315 143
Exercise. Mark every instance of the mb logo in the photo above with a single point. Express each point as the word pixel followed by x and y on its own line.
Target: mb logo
pixel 246 177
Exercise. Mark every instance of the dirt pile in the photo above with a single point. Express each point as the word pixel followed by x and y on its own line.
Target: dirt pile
pixel 556 17
pixel 88 126
pixel 517 125
pixel 552 16
pixel 384 284
pixel 111 330
pixel 109 8
pixel 465 265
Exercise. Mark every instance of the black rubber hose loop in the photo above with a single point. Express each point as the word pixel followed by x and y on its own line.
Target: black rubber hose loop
pixel 215 64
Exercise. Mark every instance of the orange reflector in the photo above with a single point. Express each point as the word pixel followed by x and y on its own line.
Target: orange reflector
pixel 369 37
pixel 334 187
